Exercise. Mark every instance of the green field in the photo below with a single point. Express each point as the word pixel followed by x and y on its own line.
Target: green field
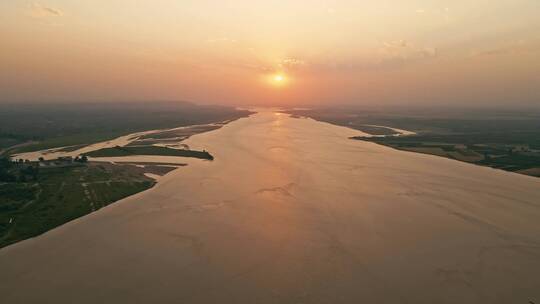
pixel 54 196
pixel 515 153
pixel 148 150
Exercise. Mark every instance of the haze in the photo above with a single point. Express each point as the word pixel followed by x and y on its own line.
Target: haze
pixel 363 52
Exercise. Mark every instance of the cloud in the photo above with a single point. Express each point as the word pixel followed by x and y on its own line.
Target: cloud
pixel 288 64
pixel 402 50
pixel 392 45
pixel 38 10
pixel 390 55
pixel 291 63
pixel 443 13
pixel 509 48
pixel 221 40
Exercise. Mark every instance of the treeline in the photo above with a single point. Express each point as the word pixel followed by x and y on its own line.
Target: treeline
pixel 18 171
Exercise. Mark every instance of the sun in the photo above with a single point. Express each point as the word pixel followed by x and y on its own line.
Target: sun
pixel 279 78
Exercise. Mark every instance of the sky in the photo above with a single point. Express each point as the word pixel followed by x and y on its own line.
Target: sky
pixel 275 53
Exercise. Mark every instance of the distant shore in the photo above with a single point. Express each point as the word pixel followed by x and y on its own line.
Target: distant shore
pixel 142 141
pixel 46 126
pixel 514 147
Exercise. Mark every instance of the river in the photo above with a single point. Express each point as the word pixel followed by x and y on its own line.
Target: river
pixel 293 211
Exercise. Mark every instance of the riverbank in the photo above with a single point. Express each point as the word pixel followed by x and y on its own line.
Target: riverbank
pixel 53 196
pixel 496 139
pixel 470 148
pixel 39 195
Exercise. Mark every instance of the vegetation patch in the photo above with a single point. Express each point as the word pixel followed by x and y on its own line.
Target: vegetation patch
pixel 32 203
pixel 148 150
pixel 510 156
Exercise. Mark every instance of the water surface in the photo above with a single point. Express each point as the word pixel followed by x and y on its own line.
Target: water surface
pixel 292 211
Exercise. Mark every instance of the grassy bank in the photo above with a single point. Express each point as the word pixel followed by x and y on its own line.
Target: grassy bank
pixel 51 197
pixel 519 158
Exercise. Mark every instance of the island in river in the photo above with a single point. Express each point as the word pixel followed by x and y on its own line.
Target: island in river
pixel 118 151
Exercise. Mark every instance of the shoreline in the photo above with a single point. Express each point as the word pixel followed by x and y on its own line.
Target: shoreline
pixel 148 173
pixel 375 138
pixel 532 172
pixel 121 141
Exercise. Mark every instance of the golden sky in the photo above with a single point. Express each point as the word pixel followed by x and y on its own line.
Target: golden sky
pixel 231 52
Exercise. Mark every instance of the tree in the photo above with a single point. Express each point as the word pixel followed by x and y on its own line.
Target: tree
pixel 5 175
pixel 5 163
pixel 32 171
pixel 84 159
pixel 41 159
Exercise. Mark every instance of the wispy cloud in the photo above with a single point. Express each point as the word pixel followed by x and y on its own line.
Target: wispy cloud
pixel 513 47
pixel 443 13
pixel 221 40
pixel 291 63
pixel 38 10
pixel 402 50
pixel 393 45
pixel 390 55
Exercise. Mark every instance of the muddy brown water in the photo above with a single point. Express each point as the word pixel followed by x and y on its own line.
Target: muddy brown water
pixel 292 211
